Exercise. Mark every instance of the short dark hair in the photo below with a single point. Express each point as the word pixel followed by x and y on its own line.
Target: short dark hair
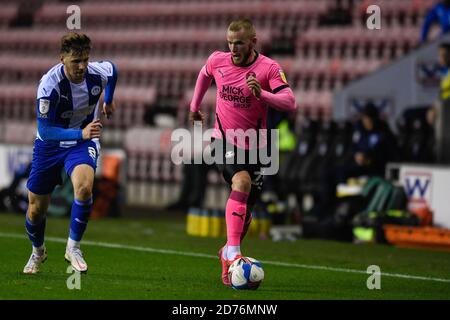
pixel 445 46
pixel 77 43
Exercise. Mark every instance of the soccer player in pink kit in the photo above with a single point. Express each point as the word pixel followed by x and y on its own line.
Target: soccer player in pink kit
pixel 247 84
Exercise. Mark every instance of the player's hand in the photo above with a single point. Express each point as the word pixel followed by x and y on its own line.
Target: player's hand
pixel 108 109
pixel 196 116
pixel 254 85
pixel 92 130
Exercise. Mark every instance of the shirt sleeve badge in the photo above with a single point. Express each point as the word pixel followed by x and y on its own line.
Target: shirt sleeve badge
pixel 44 106
pixel 283 76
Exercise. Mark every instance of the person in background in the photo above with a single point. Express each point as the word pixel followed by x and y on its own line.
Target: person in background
pixel 439 112
pixel 439 13
pixel 373 146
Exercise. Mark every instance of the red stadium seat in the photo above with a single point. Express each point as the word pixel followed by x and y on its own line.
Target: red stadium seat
pixel 404 12
pixel 354 42
pixel 7 14
pixel 19 132
pixel 165 13
pixel 320 71
pixel 143 42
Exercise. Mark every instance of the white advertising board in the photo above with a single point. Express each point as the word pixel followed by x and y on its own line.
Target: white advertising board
pixel 428 185
pixel 13 159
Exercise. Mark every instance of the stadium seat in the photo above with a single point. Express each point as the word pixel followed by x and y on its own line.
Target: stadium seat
pixel 314 165
pixel 292 166
pixel 7 14
pixel 160 13
pixel 19 132
pixel 314 102
pixel 416 137
pixel 404 12
pixel 142 42
pixel 355 41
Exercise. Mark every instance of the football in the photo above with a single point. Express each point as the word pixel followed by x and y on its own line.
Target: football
pixel 246 274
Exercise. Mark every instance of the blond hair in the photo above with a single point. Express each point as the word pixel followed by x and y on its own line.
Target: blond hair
pixel 77 43
pixel 244 24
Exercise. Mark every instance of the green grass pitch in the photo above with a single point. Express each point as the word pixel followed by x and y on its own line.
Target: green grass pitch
pixel 153 258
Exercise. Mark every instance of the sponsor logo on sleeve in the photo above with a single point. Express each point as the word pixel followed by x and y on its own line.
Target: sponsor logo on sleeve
pixel 283 76
pixel 44 106
pixel 250 74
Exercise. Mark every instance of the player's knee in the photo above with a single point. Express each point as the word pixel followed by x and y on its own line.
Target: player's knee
pixel 35 212
pixel 36 209
pixel 242 183
pixel 83 191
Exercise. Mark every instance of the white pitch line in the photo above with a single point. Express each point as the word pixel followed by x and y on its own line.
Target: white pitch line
pixel 203 255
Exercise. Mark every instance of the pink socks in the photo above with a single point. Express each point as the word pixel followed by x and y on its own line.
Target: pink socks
pixel 235 217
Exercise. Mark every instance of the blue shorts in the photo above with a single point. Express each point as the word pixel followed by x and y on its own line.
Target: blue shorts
pixel 48 161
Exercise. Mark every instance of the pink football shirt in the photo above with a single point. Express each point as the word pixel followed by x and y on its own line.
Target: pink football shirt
pixel 236 106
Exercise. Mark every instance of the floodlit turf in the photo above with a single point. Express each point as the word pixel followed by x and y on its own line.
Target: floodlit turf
pixel 135 271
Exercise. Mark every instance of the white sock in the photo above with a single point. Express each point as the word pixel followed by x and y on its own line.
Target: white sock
pixel 233 251
pixel 39 250
pixel 224 252
pixel 73 244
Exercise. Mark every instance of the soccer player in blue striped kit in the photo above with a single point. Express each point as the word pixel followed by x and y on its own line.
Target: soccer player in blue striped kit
pixel 68 132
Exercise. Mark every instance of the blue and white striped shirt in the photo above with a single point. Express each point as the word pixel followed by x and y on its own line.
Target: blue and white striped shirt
pixel 65 108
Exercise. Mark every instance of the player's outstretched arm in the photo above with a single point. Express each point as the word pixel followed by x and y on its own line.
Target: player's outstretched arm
pixel 92 130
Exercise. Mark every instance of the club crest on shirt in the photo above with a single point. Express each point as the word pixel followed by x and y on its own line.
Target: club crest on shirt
pixel 95 90
pixel 44 106
pixel 250 74
pixel 283 76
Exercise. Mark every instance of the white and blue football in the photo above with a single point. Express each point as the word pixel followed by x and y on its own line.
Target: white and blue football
pixel 246 274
